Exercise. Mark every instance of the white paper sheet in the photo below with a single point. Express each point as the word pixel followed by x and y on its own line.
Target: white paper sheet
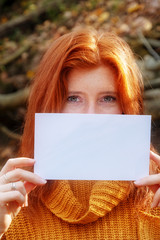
pixel 92 146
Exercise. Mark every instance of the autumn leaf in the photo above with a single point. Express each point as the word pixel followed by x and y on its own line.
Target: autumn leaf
pixel 30 74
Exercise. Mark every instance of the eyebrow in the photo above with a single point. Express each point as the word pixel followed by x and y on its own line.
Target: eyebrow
pixel 109 92
pixel 74 92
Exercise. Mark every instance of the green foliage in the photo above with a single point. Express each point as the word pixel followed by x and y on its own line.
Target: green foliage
pixel 2 2
pixel 52 14
pixel 91 4
pixel 17 35
pixel 115 5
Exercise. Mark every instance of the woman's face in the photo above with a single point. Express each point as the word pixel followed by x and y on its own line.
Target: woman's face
pixel 92 91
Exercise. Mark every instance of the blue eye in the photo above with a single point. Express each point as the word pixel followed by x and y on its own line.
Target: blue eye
pixel 109 99
pixel 73 99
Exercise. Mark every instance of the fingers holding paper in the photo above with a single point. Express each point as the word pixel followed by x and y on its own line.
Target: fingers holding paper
pixel 15 184
pixel 152 181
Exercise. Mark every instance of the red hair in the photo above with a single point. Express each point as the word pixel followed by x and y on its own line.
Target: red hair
pixel 81 49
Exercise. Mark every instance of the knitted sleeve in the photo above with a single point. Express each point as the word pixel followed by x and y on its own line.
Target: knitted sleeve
pixel 149 224
pixel 3 237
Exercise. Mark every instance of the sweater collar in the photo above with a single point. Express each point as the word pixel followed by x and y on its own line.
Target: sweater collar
pixel 102 197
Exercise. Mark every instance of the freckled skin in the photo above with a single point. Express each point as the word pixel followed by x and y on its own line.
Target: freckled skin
pixel 92 91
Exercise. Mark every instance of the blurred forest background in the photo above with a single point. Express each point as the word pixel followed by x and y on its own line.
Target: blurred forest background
pixel 28 27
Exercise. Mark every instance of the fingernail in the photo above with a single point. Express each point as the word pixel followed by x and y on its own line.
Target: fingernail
pixel 138 182
pixel 153 153
pixel 152 205
pixel 43 180
pixel 31 159
pixel 26 201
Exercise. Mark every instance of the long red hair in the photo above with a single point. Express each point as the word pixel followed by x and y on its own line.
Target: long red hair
pixel 84 49
pixel 81 49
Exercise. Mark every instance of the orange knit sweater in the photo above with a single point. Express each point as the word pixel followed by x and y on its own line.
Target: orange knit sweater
pixel 85 210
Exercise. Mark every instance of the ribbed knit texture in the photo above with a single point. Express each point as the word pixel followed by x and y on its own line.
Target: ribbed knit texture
pixel 85 210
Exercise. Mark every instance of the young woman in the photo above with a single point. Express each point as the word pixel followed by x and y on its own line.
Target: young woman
pixel 82 72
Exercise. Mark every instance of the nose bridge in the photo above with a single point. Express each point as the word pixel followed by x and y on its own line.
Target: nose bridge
pixel 91 107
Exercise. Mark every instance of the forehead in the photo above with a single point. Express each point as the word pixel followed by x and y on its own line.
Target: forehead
pixel 98 77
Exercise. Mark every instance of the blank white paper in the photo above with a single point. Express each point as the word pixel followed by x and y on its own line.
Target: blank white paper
pixel 92 146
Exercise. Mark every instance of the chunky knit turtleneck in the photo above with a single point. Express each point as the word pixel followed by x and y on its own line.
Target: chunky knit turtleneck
pixel 103 197
pixel 84 210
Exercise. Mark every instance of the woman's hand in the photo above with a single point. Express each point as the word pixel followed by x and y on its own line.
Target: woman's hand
pixel 152 181
pixel 15 184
